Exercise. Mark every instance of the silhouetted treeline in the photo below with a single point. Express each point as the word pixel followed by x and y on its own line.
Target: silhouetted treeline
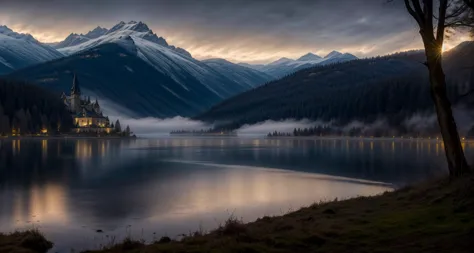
pixel 392 88
pixel 361 130
pixel 277 134
pixel 28 109
pixel 203 131
pixel 210 130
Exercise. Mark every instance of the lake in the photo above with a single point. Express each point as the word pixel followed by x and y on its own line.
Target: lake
pixel 148 188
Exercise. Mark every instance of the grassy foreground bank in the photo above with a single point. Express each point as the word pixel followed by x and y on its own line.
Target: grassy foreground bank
pixel 433 217
pixel 31 241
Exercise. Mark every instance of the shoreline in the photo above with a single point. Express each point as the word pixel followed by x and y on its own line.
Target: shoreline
pixel 66 137
pixel 438 213
pixel 360 138
pixel 70 137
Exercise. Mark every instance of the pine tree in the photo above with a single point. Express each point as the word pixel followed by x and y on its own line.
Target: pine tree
pixel 118 128
pixel 127 131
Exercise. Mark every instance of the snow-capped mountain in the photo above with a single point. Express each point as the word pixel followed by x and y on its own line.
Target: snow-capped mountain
pixel 175 62
pixel 244 76
pixel 119 34
pixel 71 40
pixel 309 57
pixel 131 66
pixel 285 66
pixel 19 50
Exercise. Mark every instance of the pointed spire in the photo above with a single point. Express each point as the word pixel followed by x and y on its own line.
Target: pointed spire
pixel 96 101
pixel 75 90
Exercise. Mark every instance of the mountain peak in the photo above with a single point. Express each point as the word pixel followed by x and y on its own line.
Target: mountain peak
pixel 130 26
pixel 309 57
pixel 348 55
pixel 4 29
pixel 140 27
pixel 122 31
pixel 72 40
pixel 281 60
pixel 332 54
pixel 96 33
pixel 10 33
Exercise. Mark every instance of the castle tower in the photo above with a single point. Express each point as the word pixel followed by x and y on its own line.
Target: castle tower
pixel 75 95
pixel 97 107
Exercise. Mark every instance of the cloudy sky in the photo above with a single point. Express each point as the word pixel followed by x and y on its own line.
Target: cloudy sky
pixel 238 30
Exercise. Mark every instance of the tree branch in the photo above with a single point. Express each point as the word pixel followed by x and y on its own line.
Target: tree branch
pixel 417 6
pixel 413 13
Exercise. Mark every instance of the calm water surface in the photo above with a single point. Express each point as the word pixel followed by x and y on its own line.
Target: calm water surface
pixel 148 188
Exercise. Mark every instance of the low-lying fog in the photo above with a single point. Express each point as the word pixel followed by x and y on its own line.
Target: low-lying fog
pixel 154 127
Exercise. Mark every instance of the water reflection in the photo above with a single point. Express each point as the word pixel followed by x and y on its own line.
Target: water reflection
pixel 174 185
pixel 45 204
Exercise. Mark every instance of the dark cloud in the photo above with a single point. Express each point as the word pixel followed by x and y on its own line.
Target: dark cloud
pixel 237 30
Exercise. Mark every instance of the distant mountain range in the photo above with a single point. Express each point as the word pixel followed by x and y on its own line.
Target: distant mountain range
pixel 184 85
pixel 131 66
pixel 391 88
pixel 286 66
pixel 20 50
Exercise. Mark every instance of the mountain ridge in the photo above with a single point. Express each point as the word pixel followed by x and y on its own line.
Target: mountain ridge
pixel 285 66
pixel 18 50
pixel 117 32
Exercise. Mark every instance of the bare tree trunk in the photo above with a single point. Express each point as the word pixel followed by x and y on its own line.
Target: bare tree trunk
pixel 433 42
pixel 452 144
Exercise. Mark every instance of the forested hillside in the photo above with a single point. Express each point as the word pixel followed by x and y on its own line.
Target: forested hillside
pixel 28 109
pixel 392 87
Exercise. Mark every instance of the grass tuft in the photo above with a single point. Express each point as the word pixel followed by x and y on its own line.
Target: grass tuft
pixel 28 241
pixel 232 226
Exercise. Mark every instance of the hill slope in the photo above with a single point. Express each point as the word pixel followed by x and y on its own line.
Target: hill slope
pixel 392 87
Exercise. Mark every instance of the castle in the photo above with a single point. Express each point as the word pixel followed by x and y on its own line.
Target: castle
pixel 87 116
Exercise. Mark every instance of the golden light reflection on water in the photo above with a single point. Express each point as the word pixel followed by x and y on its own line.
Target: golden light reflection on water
pixel 177 193
pixel 43 204
pixel 16 146
pixel 240 187
pixel 83 149
pixel 44 148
